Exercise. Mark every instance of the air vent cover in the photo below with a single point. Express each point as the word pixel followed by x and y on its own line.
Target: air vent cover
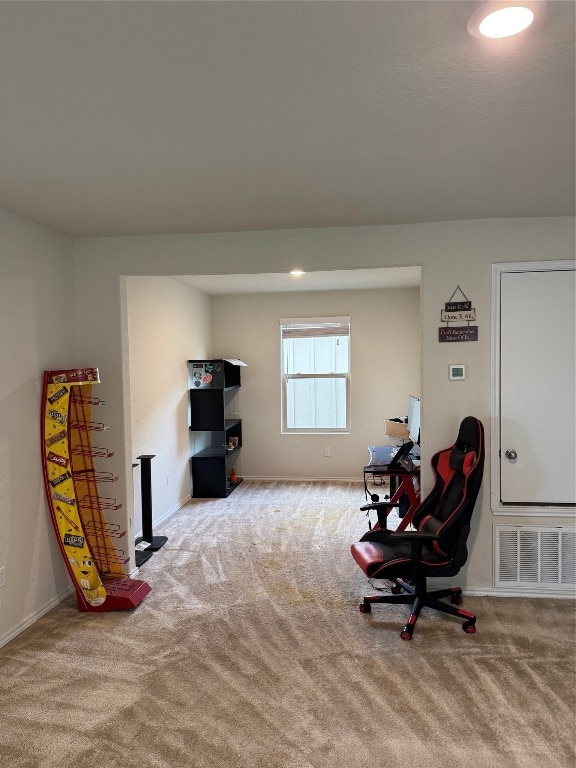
pixel 535 557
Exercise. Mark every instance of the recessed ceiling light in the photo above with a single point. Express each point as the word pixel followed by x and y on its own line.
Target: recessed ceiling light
pixel 297 272
pixel 503 19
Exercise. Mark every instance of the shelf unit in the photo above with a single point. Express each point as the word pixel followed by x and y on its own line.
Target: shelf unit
pixel 213 387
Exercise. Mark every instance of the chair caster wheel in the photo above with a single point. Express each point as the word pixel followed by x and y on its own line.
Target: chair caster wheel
pixel 456 600
pixel 406 633
pixel 469 627
pixel 365 608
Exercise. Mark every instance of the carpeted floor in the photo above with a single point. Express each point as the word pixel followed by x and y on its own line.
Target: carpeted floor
pixel 250 652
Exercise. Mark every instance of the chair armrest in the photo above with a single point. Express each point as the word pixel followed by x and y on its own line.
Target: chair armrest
pixel 383 509
pixel 422 536
pixel 384 536
pixel 377 505
pixel 377 535
pixel 418 539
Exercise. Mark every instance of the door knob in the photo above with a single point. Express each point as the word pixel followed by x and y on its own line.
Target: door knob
pixel 511 454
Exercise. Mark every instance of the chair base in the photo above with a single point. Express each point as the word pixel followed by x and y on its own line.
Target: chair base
pixel 404 593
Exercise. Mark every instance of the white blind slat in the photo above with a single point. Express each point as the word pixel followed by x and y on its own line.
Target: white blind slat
pixel 317 327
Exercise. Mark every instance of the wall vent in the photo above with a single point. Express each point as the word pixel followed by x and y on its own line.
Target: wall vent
pixel 535 557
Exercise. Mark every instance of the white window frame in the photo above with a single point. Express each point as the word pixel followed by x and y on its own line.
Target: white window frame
pixel 314 322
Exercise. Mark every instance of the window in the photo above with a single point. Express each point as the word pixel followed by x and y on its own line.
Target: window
pixel 315 374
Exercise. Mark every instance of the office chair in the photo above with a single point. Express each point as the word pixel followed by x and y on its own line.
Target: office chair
pixel 437 546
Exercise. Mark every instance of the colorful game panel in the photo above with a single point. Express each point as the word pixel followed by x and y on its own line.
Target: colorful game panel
pixel 92 549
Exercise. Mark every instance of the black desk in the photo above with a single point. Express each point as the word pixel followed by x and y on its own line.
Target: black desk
pixel 404 484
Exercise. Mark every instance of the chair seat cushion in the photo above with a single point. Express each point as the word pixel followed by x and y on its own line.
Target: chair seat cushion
pixel 368 555
pixel 392 561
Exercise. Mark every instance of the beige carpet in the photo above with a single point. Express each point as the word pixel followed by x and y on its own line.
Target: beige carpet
pixel 251 652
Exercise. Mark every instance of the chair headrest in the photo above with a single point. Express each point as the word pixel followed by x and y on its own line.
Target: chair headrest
pixel 468 445
pixel 469 434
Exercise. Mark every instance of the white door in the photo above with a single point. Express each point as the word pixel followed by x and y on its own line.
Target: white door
pixel 537 387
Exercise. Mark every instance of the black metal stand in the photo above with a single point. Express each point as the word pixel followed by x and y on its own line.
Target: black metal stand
pixel 140 556
pixel 154 542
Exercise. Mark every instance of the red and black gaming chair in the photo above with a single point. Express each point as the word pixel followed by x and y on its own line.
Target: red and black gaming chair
pixel 437 546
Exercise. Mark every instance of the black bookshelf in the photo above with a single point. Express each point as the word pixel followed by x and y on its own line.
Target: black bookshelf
pixel 213 386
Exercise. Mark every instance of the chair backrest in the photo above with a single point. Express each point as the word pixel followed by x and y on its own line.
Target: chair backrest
pixel 447 509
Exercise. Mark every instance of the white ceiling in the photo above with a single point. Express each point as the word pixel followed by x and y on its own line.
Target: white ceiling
pixel 134 117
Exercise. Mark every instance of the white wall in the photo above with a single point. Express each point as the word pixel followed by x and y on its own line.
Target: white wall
pixel 385 369
pixel 37 333
pixel 168 323
pixel 450 253
pixel 40 303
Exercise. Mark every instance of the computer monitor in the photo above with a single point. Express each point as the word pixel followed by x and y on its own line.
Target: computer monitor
pixel 414 419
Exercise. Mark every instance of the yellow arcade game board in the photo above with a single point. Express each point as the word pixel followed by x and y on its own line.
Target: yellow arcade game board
pixel 85 539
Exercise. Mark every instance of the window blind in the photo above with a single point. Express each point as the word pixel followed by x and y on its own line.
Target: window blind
pixel 314 327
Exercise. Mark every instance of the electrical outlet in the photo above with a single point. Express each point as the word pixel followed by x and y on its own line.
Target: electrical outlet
pixel 327 452
pixel 2 576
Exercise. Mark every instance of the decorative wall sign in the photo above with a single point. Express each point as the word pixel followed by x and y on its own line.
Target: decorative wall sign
pixel 458 312
pixel 456 317
pixel 462 333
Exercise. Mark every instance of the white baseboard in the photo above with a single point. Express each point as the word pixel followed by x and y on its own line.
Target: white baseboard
pixel 260 479
pixel 23 625
pixel 473 591
pixel 520 592
pixel 167 514
pixel 19 628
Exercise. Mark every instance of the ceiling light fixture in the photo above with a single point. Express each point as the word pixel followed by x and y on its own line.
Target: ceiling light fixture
pixel 297 272
pixel 498 19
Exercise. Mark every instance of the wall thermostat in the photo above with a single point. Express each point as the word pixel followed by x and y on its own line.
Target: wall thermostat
pixel 457 372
